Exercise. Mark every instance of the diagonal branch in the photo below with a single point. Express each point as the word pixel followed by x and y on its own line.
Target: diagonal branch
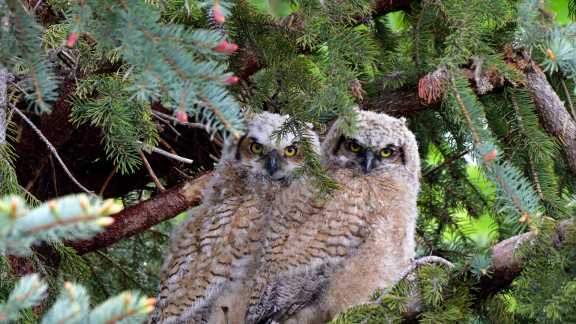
pixel 553 114
pixel 146 214
pixel 50 147
pixel 151 172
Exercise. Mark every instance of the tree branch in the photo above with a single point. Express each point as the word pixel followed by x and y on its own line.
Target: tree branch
pixel 553 114
pixel 146 214
pixel 507 265
pixel 51 148
pixel 151 172
pixel 400 102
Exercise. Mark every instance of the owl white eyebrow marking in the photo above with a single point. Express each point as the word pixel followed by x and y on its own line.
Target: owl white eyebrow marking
pixel 237 155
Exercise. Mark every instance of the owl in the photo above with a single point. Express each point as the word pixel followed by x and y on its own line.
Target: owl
pixel 212 253
pixel 323 256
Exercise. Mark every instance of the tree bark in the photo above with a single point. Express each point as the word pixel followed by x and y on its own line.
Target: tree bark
pixel 136 219
pixel 553 114
pixel 507 265
pixel 400 102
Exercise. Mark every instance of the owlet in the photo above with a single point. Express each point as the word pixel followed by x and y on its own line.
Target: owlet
pixel 344 246
pixel 212 253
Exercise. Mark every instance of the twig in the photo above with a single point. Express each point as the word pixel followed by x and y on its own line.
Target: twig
pixel 446 162
pixel 568 98
pixel 151 172
pixel 167 122
pixel 170 149
pixel 149 149
pixel 38 3
pixel 119 267
pixel 99 280
pixel 54 178
pixel 415 264
pixel 51 148
pixel 161 115
pixel 106 182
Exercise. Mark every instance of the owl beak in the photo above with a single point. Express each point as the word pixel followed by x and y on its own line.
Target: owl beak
pixel 272 162
pixel 367 161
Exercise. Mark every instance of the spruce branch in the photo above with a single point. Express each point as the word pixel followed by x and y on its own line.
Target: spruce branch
pixel 29 292
pixel 71 217
pixel 415 265
pixel 533 171
pixel 50 147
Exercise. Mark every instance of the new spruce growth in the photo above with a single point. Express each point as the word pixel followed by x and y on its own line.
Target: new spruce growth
pixel 67 218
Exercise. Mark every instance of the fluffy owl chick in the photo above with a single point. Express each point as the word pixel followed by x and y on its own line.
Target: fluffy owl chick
pixel 358 239
pixel 215 249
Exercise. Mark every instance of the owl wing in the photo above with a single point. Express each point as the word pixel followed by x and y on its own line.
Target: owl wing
pixel 209 252
pixel 183 248
pixel 297 267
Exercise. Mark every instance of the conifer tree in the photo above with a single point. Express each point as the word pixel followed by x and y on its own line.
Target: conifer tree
pixel 132 100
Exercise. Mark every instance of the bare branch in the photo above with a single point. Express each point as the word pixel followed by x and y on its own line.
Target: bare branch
pixel 50 147
pixel 179 158
pixel 137 218
pixel 415 264
pixel 151 172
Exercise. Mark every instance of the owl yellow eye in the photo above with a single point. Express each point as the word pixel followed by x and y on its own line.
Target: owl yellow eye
pixel 290 151
pixel 354 147
pixel 386 152
pixel 256 148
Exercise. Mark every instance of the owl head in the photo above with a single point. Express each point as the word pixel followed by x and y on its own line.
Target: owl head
pixel 260 154
pixel 382 143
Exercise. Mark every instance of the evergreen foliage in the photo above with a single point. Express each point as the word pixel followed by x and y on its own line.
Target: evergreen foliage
pixel 72 217
pixel 490 170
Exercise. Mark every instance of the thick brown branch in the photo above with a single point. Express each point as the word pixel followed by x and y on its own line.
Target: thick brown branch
pixel 401 102
pixel 146 214
pixel 552 111
pixel 507 265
